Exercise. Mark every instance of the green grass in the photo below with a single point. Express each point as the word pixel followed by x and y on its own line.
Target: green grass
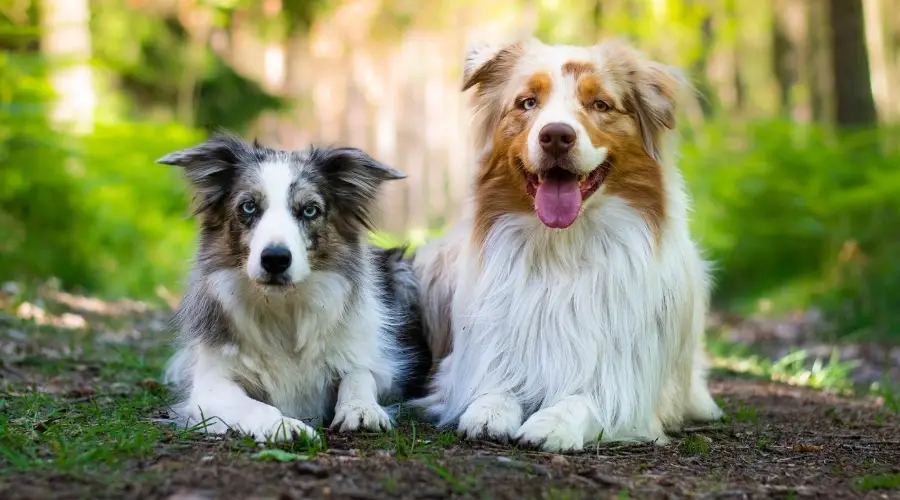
pixel 694 446
pixel 42 431
pixel 410 438
pixel 889 392
pixel 764 443
pixel 743 413
pixel 461 485
pixel 878 482
pixel 796 368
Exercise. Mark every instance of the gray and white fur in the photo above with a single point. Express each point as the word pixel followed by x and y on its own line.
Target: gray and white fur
pixel 290 317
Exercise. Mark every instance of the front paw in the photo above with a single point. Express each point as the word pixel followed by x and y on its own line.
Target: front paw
pixel 551 431
pixel 354 415
pixel 282 429
pixel 491 417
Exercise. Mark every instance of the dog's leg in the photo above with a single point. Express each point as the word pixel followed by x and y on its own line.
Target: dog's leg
pixel 700 404
pixel 567 425
pixel 492 416
pixel 218 404
pixel 357 404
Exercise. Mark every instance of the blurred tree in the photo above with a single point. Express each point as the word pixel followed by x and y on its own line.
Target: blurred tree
pixel 786 58
pixel 66 44
pixel 161 59
pixel 855 105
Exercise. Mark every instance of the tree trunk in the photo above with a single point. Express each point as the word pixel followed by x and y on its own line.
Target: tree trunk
pixel 878 58
pixel 66 42
pixel 818 62
pixel 700 69
pixel 850 64
pixel 784 57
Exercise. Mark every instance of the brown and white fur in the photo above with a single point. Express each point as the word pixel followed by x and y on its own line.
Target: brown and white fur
pixel 290 317
pixel 570 303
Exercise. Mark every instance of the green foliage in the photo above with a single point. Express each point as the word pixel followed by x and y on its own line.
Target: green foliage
pixel 878 482
pixel 694 445
pixel 796 214
pixel 139 235
pixel 795 368
pixel 95 211
pixel 35 187
pixel 165 73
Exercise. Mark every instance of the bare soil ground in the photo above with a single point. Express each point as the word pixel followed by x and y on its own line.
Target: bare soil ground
pixel 77 398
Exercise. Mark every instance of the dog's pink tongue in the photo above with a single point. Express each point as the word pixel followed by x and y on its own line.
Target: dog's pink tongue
pixel 558 201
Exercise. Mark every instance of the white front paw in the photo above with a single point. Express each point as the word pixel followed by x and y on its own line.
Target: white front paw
pixel 551 431
pixel 285 429
pixel 491 417
pixel 269 424
pixel 354 415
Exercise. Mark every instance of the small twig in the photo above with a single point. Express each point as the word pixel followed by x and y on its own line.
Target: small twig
pixel 702 428
pixel 342 453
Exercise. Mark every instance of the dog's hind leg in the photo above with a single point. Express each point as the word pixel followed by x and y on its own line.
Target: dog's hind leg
pixel 700 404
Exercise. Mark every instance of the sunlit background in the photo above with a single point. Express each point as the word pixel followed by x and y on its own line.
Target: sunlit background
pixel 791 152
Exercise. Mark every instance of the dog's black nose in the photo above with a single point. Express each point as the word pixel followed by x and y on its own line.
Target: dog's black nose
pixel 276 259
pixel 557 139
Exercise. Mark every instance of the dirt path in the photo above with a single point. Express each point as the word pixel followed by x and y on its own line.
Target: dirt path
pixel 75 425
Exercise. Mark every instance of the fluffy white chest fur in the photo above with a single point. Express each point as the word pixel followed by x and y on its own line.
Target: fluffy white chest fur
pixel 296 346
pixel 591 330
pixel 292 350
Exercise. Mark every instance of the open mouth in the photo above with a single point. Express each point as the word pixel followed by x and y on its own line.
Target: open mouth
pixel 559 193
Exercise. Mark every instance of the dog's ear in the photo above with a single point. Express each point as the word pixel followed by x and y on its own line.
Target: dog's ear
pixel 210 168
pixel 354 179
pixel 487 64
pixel 652 89
pixel 656 98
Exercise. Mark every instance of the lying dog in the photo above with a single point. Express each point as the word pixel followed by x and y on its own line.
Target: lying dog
pixel 570 304
pixel 289 314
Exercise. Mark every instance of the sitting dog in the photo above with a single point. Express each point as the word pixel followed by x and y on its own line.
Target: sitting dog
pixel 289 314
pixel 570 303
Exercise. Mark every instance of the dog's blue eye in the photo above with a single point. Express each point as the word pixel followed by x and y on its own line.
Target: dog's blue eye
pixel 310 212
pixel 248 207
pixel 529 103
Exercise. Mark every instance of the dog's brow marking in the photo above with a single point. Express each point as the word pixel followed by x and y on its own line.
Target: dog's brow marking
pixel 577 68
pixel 276 179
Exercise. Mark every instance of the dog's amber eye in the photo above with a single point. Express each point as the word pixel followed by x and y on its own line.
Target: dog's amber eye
pixel 310 212
pixel 600 105
pixel 248 208
pixel 529 103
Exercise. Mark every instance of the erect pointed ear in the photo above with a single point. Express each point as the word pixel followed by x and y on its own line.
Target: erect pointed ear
pixel 487 64
pixel 210 167
pixel 354 178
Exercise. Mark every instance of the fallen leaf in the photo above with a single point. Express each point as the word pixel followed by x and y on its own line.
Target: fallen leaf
pixel 807 448
pixel 150 384
pixel 82 392
pixel 278 456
